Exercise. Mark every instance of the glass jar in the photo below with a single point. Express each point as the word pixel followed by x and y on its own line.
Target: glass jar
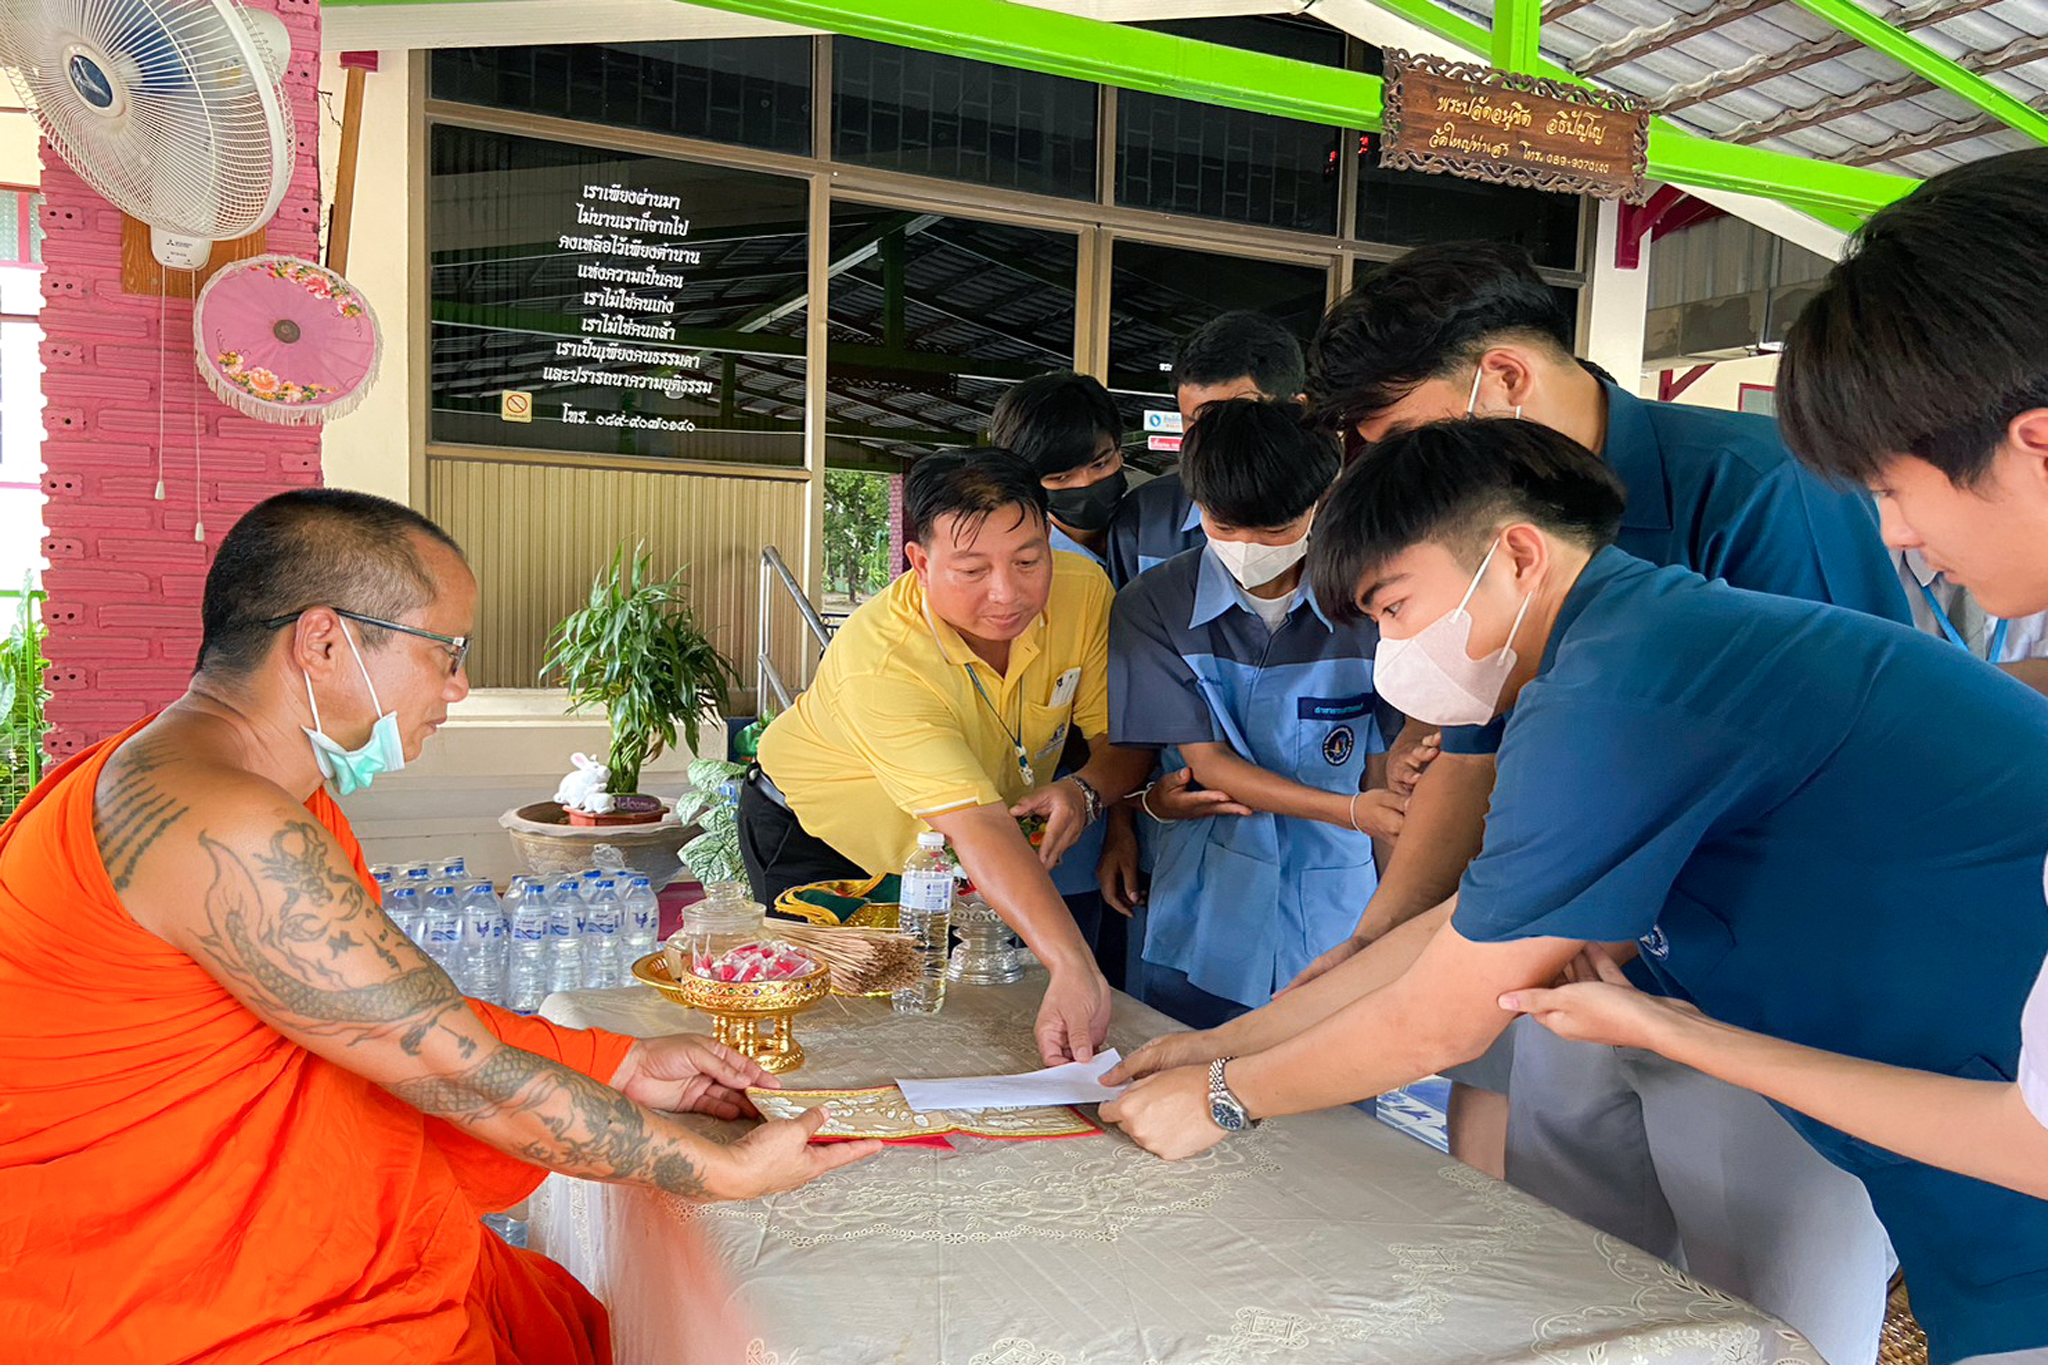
pixel 726 918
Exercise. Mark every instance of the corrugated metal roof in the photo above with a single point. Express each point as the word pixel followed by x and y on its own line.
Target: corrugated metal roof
pixel 1769 74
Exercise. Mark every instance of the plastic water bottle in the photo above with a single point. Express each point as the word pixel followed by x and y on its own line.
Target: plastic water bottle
pixel 925 916
pixel 404 908
pixel 418 876
pixel 643 922
pixel 385 881
pixel 452 871
pixel 443 940
pixel 565 935
pixel 483 941
pixel 526 967
pixel 602 917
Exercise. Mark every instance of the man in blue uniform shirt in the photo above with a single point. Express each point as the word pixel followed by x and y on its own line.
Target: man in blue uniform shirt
pixel 1471 329
pixel 1715 773
pixel 1223 654
pixel 1237 355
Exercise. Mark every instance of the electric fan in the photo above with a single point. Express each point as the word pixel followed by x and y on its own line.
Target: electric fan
pixel 168 108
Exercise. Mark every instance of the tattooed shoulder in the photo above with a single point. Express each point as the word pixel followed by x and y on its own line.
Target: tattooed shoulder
pixel 134 808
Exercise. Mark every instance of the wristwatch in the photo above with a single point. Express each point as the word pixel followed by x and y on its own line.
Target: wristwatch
pixel 1225 1108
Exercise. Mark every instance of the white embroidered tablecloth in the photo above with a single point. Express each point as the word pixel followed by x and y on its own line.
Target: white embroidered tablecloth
pixel 1319 1238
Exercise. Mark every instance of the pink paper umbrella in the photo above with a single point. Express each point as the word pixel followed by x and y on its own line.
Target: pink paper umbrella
pixel 285 340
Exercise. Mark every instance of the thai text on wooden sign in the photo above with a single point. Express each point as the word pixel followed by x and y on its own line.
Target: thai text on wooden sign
pixel 1456 118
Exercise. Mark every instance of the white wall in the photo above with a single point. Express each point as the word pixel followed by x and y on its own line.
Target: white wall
pixel 1720 387
pixel 372 448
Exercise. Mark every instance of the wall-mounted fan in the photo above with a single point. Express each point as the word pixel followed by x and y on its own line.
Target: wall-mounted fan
pixel 169 108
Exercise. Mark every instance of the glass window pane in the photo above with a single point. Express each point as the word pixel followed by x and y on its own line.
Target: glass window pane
pixel 755 92
pixel 1160 294
pixel 614 303
pixel 917 112
pixel 933 318
pixel 1179 156
pixel 1410 208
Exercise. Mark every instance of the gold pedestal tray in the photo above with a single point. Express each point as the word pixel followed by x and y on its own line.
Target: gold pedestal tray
pixel 753 1018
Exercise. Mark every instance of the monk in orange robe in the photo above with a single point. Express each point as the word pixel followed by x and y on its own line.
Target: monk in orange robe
pixel 242 1118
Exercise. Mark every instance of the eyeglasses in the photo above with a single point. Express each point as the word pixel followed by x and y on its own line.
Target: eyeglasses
pixel 458 645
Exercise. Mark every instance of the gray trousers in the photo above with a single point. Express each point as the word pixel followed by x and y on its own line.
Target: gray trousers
pixel 1705 1175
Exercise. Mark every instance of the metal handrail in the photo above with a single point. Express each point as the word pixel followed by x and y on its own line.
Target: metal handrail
pixel 774 571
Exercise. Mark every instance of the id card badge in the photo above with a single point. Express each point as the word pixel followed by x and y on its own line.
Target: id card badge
pixel 1064 689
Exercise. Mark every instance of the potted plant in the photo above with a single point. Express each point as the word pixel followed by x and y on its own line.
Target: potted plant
pixel 636 651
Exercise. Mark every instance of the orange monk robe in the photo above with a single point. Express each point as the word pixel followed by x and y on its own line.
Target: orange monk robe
pixel 179 1182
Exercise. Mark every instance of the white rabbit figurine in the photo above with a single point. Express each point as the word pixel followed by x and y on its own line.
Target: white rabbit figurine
pixel 584 789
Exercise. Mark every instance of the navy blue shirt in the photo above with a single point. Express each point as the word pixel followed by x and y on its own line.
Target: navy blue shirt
pixel 1751 786
pixel 1155 522
pixel 1241 903
pixel 1718 493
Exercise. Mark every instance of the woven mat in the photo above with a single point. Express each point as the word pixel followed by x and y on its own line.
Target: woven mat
pixel 1902 1343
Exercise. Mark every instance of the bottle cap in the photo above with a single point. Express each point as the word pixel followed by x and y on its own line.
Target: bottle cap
pixel 931 838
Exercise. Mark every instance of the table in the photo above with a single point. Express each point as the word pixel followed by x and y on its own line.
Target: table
pixel 1317 1238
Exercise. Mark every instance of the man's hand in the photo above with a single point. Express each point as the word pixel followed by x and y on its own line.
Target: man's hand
pixel 1175 797
pixel 1116 875
pixel 1406 766
pixel 1379 812
pixel 779 1156
pixel 1336 956
pixel 1066 814
pixel 1600 1006
pixel 1167 1051
pixel 1074 1018
pixel 687 1072
pixel 1168 1114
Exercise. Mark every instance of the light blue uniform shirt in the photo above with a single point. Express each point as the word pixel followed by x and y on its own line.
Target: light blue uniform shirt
pixel 1718 493
pixel 1075 876
pixel 1751 786
pixel 1157 521
pixel 1240 904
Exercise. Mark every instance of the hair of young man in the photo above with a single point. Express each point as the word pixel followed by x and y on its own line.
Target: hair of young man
pixel 1932 334
pixel 1256 465
pixel 312 547
pixel 1457 483
pixel 1056 422
pixel 1240 344
pixel 970 486
pixel 1430 315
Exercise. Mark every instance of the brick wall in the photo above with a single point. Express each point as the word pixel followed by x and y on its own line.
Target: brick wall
pixel 125 572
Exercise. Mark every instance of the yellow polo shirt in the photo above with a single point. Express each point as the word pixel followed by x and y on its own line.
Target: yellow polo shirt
pixel 893 729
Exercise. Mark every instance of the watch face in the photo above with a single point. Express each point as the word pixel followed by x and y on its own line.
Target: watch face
pixel 1228 1116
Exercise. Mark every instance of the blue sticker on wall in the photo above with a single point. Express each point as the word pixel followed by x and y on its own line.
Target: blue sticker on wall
pixel 1337 746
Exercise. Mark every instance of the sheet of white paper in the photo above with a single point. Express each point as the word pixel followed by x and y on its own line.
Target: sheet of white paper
pixel 1072 1083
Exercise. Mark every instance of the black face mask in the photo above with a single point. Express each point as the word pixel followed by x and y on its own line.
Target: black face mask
pixel 1087 509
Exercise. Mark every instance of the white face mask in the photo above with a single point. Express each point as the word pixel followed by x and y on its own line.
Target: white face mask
pixel 1254 566
pixel 1430 677
pixel 383 752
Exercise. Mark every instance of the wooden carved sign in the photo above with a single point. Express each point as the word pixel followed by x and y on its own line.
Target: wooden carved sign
pixel 1455 118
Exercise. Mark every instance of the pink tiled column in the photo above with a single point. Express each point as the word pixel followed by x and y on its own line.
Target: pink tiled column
pixel 125 572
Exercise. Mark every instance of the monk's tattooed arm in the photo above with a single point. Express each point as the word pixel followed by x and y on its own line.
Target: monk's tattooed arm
pixel 288 928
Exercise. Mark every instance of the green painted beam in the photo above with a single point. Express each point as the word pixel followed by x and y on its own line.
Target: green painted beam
pixel 1516 24
pixel 1930 65
pixel 1817 187
pixel 1009 34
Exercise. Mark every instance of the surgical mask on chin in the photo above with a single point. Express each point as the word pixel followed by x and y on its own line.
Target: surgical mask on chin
pixel 1430 676
pixel 1087 509
pixel 1254 566
pixel 350 770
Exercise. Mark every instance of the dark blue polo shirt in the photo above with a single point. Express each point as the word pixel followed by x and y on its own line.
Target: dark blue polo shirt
pixel 1718 493
pixel 1822 826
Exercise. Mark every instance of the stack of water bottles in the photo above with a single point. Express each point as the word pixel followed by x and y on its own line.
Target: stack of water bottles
pixel 573 932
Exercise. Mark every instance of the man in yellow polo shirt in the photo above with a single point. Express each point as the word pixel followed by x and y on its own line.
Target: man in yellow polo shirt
pixel 943 704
